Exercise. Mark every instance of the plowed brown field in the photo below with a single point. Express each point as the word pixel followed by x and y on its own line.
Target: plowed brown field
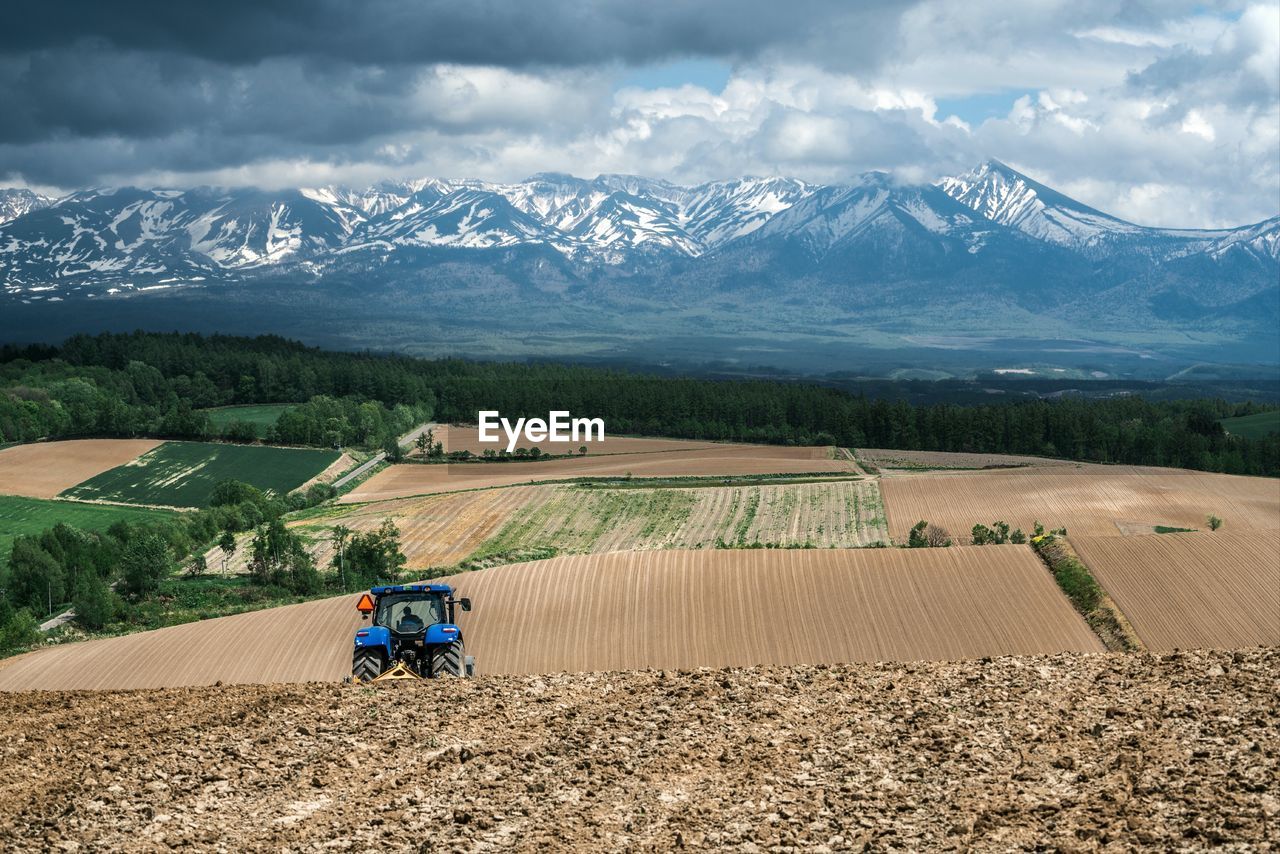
pixel 633 610
pixel 467 438
pixel 1090 500
pixel 443 529
pixel 434 530
pixel 405 480
pixel 1183 591
pixel 44 469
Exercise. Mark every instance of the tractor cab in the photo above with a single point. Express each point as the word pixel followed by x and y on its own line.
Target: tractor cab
pixel 410 613
pixel 411 634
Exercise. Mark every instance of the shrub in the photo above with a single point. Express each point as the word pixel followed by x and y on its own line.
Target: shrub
pixel 144 563
pixel 244 432
pixel 226 492
pixel 95 603
pixel 320 493
pixel 18 629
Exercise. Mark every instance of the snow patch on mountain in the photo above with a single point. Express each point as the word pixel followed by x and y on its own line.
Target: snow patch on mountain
pixel 115 236
pixel 19 202
pixel 1003 195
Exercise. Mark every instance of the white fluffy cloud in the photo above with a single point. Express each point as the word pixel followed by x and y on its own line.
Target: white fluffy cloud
pixel 1165 113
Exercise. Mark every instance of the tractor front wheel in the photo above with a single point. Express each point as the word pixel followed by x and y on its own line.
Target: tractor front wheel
pixel 452 660
pixel 366 665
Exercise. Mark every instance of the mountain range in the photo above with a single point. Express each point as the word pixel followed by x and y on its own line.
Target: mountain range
pixel 869 257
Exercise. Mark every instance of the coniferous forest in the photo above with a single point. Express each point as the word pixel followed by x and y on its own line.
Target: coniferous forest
pixel 148 384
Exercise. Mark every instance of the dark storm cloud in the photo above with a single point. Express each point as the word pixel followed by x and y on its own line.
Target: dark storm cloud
pixel 514 34
pixel 301 92
pixel 240 81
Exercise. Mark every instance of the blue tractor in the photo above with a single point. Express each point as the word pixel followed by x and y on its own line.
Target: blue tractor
pixel 412 634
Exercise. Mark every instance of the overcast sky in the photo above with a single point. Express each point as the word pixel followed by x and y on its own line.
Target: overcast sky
pixel 1165 113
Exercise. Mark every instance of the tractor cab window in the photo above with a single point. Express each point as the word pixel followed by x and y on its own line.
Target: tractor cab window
pixel 409 613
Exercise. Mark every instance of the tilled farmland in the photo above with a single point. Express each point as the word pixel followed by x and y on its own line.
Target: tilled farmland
pixel 628 610
pixel 1089 500
pixel 444 529
pixel 1064 752
pixel 632 610
pixel 1192 590
pixel 842 514
pixel 44 469
pixel 467 438
pixel 402 481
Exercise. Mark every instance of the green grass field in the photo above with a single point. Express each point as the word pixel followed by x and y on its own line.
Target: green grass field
pixel 263 417
pixel 183 474
pixel 19 516
pixel 1254 426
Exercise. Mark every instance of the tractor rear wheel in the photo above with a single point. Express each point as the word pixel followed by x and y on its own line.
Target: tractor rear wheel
pixel 452 660
pixel 366 665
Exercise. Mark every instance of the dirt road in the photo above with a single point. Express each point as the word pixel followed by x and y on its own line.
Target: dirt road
pixel 1052 753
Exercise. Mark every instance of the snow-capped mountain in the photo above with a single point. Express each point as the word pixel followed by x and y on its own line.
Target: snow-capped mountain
pixel 19 202
pixel 1002 195
pixel 990 229
pixel 832 216
pixel 465 218
pixel 723 211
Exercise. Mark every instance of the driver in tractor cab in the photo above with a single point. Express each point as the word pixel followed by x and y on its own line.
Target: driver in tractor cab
pixel 410 623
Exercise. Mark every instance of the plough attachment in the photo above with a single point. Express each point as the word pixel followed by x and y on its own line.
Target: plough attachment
pixel 399 673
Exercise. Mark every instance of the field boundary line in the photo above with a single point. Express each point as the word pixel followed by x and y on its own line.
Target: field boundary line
pixel 1105 618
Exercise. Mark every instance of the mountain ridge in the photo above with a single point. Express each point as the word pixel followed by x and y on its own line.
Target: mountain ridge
pixel 870 254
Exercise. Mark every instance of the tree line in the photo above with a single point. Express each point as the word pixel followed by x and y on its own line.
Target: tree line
pixel 154 384
pixel 116 576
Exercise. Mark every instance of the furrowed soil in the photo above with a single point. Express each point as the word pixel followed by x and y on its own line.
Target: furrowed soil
pixel 1065 752
pixel 401 481
pixel 1089 500
pixel 456 437
pixel 631 610
pixel 441 530
pixel 1192 590
pixel 44 469
pixel 841 514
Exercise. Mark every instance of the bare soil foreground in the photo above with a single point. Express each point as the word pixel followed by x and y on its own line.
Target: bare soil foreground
pixel 632 610
pixel 1089 500
pixel 412 479
pixel 44 469
pixel 1066 752
pixel 1182 591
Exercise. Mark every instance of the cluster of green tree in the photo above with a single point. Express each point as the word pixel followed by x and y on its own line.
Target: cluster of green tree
pixel 926 535
pixel 133 372
pixel 64 392
pixel 101 574
pixel 346 421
